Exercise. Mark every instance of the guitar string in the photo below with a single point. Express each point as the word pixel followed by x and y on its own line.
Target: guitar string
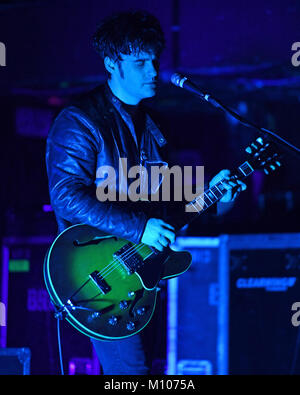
pixel 111 266
pixel 135 249
pixel 132 248
pixel 116 263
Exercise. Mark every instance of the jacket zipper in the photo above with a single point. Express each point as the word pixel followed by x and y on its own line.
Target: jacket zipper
pixel 143 158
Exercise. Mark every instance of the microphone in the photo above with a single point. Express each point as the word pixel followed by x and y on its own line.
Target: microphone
pixel 183 82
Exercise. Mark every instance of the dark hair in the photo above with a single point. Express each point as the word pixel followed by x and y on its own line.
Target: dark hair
pixel 128 32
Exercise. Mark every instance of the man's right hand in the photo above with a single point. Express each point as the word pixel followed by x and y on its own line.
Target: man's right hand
pixel 158 234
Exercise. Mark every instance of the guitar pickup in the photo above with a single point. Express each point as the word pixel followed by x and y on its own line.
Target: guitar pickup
pixel 130 260
pixel 100 282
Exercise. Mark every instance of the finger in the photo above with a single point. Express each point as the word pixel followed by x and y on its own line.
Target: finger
pixel 225 173
pixel 227 185
pixel 166 225
pixel 169 235
pixel 158 246
pixel 239 187
pixel 220 176
pixel 232 184
pixel 242 185
pixel 163 241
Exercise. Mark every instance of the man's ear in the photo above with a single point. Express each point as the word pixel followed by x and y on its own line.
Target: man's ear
pixel 110 65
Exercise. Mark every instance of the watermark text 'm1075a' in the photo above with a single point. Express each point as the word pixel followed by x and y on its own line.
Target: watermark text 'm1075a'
pixel 2 314
pixel 149 184
pixel 2 54
pixel 296 56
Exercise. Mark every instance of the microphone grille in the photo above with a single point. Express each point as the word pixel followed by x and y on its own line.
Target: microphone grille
pixel 178 79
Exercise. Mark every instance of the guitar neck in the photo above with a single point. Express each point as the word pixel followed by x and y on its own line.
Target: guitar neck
pixel 210 197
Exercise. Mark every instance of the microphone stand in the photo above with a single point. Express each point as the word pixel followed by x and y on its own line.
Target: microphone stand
pixel 265 132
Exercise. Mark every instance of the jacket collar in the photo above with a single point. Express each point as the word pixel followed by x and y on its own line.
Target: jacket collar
pixel 150 125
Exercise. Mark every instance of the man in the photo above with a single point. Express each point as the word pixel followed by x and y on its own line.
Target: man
pixel 105 125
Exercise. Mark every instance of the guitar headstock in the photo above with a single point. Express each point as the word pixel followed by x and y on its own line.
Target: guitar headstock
pixel 262 156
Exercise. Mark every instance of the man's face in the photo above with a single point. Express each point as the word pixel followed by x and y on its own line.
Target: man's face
pixel 135 77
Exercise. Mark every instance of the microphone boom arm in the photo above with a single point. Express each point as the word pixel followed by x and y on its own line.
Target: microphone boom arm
pixel 183 82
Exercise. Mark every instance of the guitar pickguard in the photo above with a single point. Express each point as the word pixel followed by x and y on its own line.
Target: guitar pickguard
pixel 151 271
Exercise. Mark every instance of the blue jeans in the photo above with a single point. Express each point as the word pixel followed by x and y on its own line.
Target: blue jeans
pixel 133 355
pixel 122 357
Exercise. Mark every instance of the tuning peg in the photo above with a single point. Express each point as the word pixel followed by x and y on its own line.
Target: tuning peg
pixel 260 141
pixel 272 167
pixel 266 171
pixel 278 163
pixel 254 146
pixel 248 150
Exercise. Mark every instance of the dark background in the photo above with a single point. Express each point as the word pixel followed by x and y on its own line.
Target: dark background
pixel 237 50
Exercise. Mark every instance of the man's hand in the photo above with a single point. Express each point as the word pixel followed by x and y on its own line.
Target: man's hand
pixel 233 186
pixel 158 234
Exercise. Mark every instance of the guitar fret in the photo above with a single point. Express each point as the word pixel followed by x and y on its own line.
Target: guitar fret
pixel 202 205
pixel 217 192
pixel 246 169
pixel 206 196
pixel 194 206
pixel 224 189
pixel 218 188
pixel 213 193
pixel 211 196
pixel 203 199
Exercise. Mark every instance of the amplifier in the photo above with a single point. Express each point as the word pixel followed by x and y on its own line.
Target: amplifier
pixel 30 318
pixel 261 276
pixel 14 361
pixel 231 312
pixel 193 333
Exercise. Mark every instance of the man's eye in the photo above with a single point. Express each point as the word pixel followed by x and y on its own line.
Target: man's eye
pixel 140 63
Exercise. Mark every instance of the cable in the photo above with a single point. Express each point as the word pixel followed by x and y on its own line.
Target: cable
pixel 58 318
pixel 296 354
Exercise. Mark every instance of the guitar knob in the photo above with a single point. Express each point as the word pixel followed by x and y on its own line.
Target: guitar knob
pixel 113 320
pixel 130 326
pixel 141 310
pixel 131 294
pixel 93 316
pixel 123 304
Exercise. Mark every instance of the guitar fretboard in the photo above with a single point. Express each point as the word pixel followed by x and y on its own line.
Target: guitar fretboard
pixel 215 193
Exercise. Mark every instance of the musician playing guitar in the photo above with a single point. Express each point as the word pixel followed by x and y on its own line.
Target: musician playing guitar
pixel 103 125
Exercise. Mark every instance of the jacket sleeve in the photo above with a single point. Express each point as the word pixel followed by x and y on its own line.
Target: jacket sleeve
pixel 71 158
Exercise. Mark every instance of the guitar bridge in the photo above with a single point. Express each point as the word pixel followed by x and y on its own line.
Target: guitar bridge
pixel 100 282
pixel 128 258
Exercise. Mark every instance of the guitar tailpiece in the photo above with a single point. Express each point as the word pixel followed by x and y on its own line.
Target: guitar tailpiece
pixel 59 312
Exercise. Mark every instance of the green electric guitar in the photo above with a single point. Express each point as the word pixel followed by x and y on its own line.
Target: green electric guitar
pixel 105 286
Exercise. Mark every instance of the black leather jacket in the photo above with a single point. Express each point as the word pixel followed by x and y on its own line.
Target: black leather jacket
pixel 97 131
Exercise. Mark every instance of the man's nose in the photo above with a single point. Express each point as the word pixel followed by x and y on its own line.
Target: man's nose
pixel 153 69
